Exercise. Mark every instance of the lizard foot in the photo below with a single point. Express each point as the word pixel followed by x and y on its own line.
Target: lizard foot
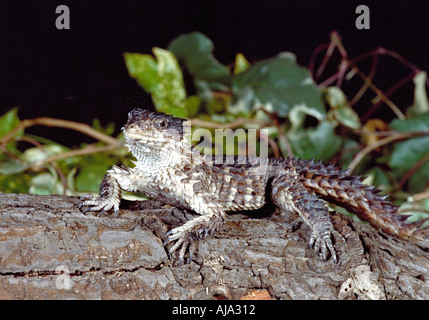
pixel 97 203
pixel 184 241
pixel 186 236
pixel 322 244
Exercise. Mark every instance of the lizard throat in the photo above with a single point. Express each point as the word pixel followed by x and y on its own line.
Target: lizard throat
pixel 151 154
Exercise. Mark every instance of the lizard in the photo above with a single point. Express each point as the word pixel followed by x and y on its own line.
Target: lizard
pixel 166 169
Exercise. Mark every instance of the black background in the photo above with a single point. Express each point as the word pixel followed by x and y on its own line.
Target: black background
pixel 79 74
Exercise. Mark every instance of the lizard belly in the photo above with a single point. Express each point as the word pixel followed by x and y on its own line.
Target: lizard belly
pixel 165 196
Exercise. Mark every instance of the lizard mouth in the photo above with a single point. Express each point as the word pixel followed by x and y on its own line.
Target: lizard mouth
pixel 137 137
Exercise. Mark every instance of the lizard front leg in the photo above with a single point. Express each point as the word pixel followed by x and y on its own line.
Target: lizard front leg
pixel 109 195
pixel 187 235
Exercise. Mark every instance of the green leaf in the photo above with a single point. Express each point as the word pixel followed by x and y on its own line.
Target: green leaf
pixel 170 95
pixel 280 84
pixel 419 180
pixel 46 183
pixel 377 177
pixel 34 155
pixel 340 107
pixel 417 210
pixel 320 143
pixel 163 79
pixel 412 125
pixel 108 130
pixel 90 177
pixel 192 105
pixel 92 170
pixel 241 64
pixel 9 121
pixel 298 114
pixel 12 166
pixel 195 51
pixel 16 183
pixel 215 106
pixel 144 69
pixel 405 156
pixel 407 153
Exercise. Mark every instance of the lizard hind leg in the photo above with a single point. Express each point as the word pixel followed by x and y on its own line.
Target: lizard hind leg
pixel 187 235
pixel 289 194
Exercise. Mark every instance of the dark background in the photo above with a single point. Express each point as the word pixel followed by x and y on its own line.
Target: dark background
pixel 79 74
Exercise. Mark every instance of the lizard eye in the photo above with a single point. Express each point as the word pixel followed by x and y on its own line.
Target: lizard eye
pixel 162 123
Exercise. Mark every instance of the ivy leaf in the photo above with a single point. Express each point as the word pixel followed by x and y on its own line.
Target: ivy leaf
pixel 170 94
pixel 9 121
pixel 280 84
pixel 108 130
pixel 321 142
pixel 163 79
pixel 340 107
pixel 407 153
pixel 92 171
pixel 46 183
pixel 195 51
pixel 378 177
pixel 417 210
pixel 411 125
pixel 34 155
pixel 90 177
pixel 241 64
pixel 17 183
pixel 12 166
pixel 144 69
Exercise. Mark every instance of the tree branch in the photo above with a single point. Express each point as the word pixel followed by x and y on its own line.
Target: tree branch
pixel 52 122
pixel 47 243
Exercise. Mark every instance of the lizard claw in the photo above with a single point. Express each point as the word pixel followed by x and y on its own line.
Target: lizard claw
pixel 101 204
pixel 322 244
pixel 187 235
pixel 101 212
pixel 185 241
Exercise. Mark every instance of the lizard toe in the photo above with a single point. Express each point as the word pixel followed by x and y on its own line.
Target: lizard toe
pixel 323 245
pixel 185 242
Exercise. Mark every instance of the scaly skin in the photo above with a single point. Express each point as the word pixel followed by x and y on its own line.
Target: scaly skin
pixel 170 170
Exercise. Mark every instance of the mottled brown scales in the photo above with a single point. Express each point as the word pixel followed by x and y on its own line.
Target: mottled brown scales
pixel 167 169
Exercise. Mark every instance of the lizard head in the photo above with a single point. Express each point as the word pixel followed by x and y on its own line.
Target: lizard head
pixel 148 133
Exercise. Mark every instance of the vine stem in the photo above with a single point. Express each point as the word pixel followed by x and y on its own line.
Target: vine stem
pixel 80 152
pixel 346 63
pixel 381 95
pixel 112 143
pixel 52 122
pixel 420 196
pixel 397 136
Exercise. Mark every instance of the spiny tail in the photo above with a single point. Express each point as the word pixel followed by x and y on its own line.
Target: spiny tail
pixel 336 186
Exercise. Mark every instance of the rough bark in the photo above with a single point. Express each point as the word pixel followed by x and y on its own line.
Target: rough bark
pixel 50 250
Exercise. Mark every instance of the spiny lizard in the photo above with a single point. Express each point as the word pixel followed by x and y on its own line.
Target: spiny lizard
pixel 165 170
